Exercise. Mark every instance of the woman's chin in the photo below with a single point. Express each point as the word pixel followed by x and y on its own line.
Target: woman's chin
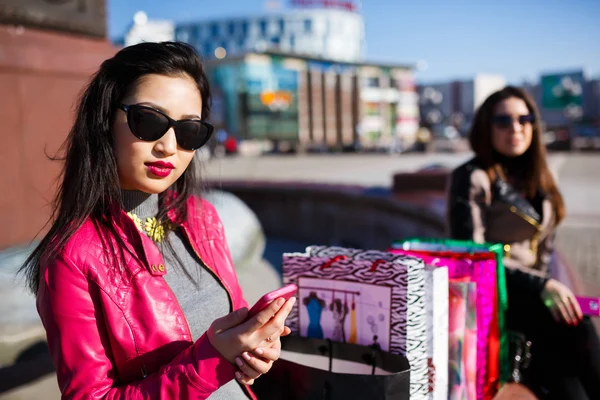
pixel 149 186
pixel 513 152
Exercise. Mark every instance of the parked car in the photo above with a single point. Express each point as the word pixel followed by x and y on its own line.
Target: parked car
pixel 585 137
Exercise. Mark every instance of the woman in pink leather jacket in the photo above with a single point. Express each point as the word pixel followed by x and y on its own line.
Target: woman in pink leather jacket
pixel 134 281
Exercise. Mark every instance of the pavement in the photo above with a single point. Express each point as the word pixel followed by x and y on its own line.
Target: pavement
pixel 578 237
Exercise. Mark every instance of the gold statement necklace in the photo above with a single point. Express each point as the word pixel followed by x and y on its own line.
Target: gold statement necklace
pixel 151 227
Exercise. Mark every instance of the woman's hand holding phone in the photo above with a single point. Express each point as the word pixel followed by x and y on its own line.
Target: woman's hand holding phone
pixel 260 361
pixel 240 338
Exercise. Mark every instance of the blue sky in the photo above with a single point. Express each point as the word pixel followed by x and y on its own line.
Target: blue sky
pixel 457 38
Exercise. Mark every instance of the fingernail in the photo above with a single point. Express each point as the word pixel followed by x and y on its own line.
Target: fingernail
pixel 239 361
pixel 246 356
pixel 292 301
pixel 280 302
pixel 238 375
pixel 259 351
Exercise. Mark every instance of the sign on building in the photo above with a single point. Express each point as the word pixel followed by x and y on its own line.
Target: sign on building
pixel 564 90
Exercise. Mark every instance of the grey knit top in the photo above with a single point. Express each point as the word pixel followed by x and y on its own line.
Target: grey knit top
pixel 200 294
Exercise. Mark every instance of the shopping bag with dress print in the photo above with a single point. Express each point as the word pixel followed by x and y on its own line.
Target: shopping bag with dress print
pixel 481 269
pixel 366 297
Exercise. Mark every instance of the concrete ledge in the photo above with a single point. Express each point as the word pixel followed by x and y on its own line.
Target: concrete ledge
pixel 434 180
pixel 243 231
pixel 247 241
pixel 334 215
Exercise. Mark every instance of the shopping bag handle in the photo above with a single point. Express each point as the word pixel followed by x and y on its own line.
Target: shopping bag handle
pixel 333 261
pixel 375 264
pixel 327 349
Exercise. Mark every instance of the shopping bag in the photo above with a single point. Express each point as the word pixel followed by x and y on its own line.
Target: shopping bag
pixel 481 269
pixel 470 349
pixel 501 301
pixel 323 369
pixel 365 297
pixel 462 335
pixel 436 303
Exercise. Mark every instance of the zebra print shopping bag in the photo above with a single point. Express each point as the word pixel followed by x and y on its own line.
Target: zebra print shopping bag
pixel 365 297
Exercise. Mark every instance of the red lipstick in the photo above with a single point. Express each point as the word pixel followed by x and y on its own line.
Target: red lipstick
pixel 161 169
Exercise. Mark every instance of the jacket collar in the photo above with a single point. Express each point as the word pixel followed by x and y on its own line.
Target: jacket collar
pixel 508 194
pixel 147 251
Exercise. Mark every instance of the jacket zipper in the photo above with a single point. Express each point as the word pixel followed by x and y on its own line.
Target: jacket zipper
pixel 535 239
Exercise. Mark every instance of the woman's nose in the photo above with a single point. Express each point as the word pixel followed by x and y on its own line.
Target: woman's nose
pixel 167 144
pixel 517 126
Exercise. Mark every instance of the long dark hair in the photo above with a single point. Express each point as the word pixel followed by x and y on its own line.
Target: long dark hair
pixel 534 160
pixel 90 182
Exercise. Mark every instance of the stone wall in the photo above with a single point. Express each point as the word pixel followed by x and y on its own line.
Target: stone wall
pixel 41 76
pixel 334 215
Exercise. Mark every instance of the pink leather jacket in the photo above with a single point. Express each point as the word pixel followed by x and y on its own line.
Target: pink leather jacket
pixel 122 334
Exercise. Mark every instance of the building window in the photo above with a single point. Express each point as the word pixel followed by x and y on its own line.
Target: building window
pixel 242 44
pixel 372 81
pixel 307 25
pixel 208 50
pixel 231 28
pixel 182 36
pixel 214 30
pixel 275 41
pixel 197 31
pixel 281 24
pixel 245 28
pixel 292 41
pixel 263 27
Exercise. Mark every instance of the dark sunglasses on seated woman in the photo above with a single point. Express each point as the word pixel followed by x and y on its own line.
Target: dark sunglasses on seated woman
pixel 506 121
pixel 149 124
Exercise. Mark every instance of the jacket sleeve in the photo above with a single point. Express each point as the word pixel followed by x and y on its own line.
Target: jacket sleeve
pixel 466 206
pixel 545 251
pixel 523 280
pixel 68 304
pixel 468 198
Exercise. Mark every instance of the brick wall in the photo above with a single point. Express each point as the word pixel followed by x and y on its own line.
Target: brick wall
pixel 41 76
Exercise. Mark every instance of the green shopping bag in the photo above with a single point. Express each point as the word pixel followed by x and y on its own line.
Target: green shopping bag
pixel 466 246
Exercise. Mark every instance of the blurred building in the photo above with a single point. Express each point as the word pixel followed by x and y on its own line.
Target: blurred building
pixel 455 103
pixel 324 32
pixel 473 92
pixel 591 101
pixel 297 78
pixel 310 103
pixel 336 33
pixel 144 30
pixel 569 105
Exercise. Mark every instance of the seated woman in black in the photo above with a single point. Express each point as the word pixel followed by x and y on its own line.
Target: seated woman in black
pixel 507 194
